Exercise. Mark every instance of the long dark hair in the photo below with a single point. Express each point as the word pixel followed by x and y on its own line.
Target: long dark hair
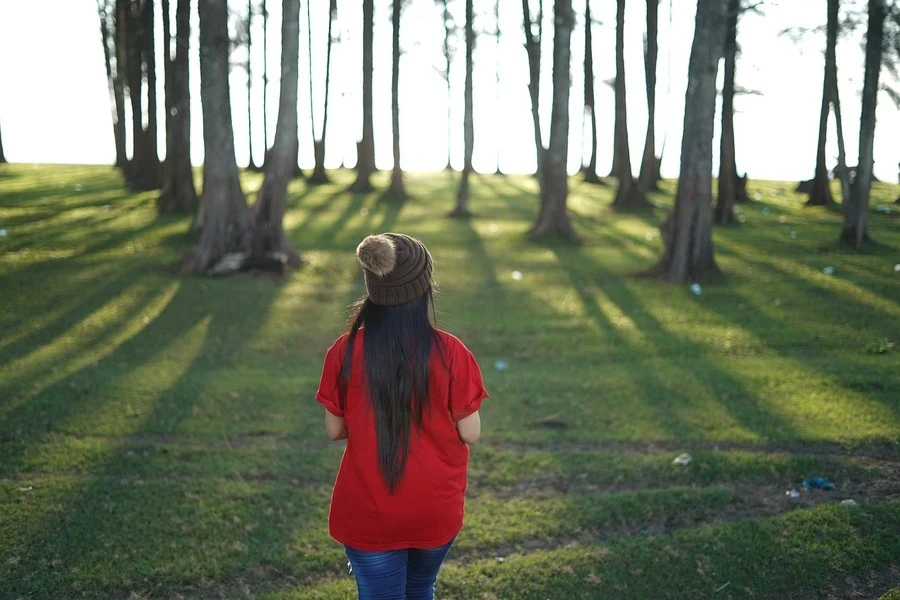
pixel 397 347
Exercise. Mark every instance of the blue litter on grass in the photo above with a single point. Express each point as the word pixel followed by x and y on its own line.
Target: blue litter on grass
pixel 817 483
pixel 500 365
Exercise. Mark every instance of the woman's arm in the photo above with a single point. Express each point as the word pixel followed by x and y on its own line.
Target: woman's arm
pixel 335 427
pixel 469 428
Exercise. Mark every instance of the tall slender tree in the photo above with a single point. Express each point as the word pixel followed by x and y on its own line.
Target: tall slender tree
pixel 319 175
pixel 148 19
pixel 396 188
pixel 265 109
pixel 251 164
pixel 534 33
pixel 497 70
pixel 629 195
pixel 590 170
pixel 462 195
pixel 106 12
pixel 268 211
pixel 820 188
pixel 365 148
pixel 649 175
pixel 448 48
pixel 856 212
pixel 724 212
pixel 227 223
pixel 831 59
pixel 687 231
pixel 553 218
pixel 178 193
pixel 2 155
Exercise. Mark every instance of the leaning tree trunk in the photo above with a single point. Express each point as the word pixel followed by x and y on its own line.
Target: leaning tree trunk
pixel 396 189
pixel 856 212
pixel 178 193
pixel 226 224
pixel 629 196
pixel 590 170
pixel 116 99
pixel 820 187
pixel 724 212
pixel 250 165
pixel 462 196
pixel 649 175
pixel 319 175
pixel 268 211
pixel 831 59
pixel 553 218
pixel 365 148
pixel 533 48
pixel 687 231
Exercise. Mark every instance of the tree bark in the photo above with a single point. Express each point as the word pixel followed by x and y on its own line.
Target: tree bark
pixel 365 148
pixel 265 110
pixel 120 81
pixel 725 200
pixel 226 223
pixel 268 211
pixel 396 189
pixel 533 48
pixel 2 155
pixel 497 88
pixel 820 188
pixel 648 178
pixel 319 175
pixel 553 219
pixel 590 170
pixel 250 164
pixel 856 212
pixel 116 96
pixel 687 231
pixel 462 195
pixel 178 193
pixel 629 196
pixel 447 60
pixel 831 59
pixel 149 49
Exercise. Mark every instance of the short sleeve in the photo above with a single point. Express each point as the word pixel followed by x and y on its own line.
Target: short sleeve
pixel 466 385
pixel 327 394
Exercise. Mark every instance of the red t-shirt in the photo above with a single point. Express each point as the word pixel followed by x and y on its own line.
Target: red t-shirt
pixel 426 509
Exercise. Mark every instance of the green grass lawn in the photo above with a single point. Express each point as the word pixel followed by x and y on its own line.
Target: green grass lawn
pixel 159 437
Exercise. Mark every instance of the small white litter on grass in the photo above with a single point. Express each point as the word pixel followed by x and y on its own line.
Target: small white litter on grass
pixel 792 494
pixel 500 365
pixel 682 459
pixel 517 275
pixel 849 502
pixel 828 270
pixel 696 289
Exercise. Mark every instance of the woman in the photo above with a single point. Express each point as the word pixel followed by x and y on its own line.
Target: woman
pixel 405 395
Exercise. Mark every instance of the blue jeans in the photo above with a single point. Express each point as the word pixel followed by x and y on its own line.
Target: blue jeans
pixel 397 574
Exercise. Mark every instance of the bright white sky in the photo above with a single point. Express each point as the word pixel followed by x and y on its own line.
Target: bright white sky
pixel 54 102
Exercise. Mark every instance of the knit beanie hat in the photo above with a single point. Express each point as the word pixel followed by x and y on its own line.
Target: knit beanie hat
pixel 397 268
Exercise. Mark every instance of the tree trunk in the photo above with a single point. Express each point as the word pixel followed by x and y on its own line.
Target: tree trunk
pixel 590 170
pixel 268 211
pixel 462 196
pixel 649 175
pixel 132 37
pixel 831 59
pixel 820 188
pixel 856 212
pixel 152 154
pixel 447 61
pixel 178 193
pixel 226 223
pixel 553 218
pixel 396 189
pixel 497 73
pixel 265 110
pixel 319 175
pixel 533 48
pixel 120 80
pixel 724 212
pixel 250 164
pixel 365 148
pixel 629 196
pixel 116 98
pixel 687 231
pixel 2 155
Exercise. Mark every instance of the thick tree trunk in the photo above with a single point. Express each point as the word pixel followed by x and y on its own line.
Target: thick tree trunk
pixel 447 60
pixel 533 48
pixel 856 212
pixel 629 196
pixel 250 164
pixel 462 195
pixel 226 223
pixel 687 231
pixel 178 193
pixel 365 148
pixel 396 189
pixel 319 175
pixel 132 37
pixel 149 49
pixel 649 175
pixel 268 211
pixel 831 59
pixel 724 212
pixel 553 218
pixel 120 79
pixel 820 188
pixel 590 170
pixel 116 98
pixel 2 155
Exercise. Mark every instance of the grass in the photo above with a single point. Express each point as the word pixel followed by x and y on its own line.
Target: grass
pixel 158 436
